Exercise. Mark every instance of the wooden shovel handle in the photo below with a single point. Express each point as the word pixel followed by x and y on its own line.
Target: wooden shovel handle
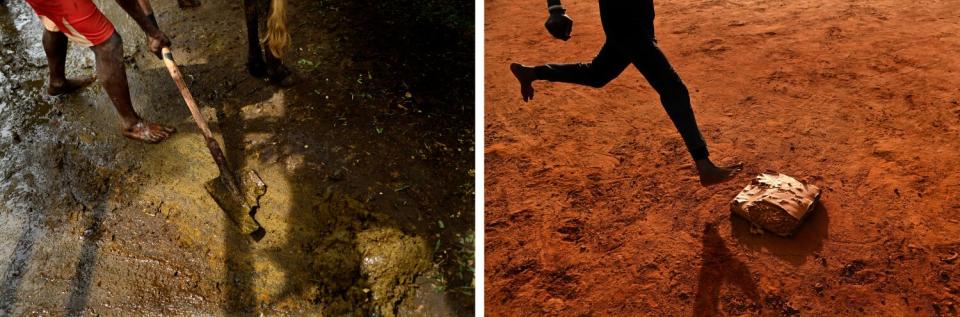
pixel 187 96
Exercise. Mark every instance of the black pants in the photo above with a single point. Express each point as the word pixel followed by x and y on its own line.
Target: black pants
pixel 628 25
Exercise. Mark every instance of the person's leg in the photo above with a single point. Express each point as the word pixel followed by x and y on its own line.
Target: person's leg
pixel 255 63
pixel 675 98
pixel 55 47
pixel 112 72
pixel 277 73
pixel 607 65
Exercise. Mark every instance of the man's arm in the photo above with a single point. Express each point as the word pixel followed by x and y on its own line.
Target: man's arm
pixel 148 10
pixel 132 7
pixel 142 13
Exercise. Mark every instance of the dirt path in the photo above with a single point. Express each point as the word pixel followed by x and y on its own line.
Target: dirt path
pixel 593 208
pixel 369 205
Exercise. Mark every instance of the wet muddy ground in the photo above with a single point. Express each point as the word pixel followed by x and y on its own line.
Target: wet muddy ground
pixel 368 163
pixel 593 207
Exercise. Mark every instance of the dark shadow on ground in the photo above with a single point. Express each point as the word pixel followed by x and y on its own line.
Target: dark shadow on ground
pixel 808 240
pixel 424 47
pixel 13 275
pixel 721 267
pixel 80 289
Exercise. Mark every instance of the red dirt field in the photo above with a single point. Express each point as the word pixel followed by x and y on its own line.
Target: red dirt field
pixel 593 207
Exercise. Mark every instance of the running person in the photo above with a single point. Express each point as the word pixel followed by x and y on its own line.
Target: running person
pixel 81 22
pixel 628 26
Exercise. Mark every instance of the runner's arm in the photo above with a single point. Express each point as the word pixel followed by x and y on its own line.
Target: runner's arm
pixel 558 24
pixel 555 5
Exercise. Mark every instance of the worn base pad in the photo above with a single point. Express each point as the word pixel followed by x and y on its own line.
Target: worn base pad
pixel 776 202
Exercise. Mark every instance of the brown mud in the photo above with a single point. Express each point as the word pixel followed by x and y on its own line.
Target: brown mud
pixel 593 206
pixel 368 162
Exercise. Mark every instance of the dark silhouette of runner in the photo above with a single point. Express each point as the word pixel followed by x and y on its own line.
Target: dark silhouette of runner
pixel 628 26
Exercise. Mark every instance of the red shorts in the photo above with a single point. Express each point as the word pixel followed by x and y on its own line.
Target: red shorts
pixel 79 20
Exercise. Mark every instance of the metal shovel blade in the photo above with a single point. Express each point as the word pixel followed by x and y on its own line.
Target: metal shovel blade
pixel 241 206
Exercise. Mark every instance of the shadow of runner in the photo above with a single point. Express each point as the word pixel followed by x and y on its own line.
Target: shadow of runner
pixel 719 267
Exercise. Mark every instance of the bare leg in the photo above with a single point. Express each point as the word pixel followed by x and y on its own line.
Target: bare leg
pixel 112 71
pixel 55 46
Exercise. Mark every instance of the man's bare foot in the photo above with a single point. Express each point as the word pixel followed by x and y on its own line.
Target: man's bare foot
pixel 148 132
pixel 526 76
pixel 711 174
pixel 70 85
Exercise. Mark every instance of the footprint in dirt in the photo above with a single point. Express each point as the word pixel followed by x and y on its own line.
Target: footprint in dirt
pixel 572 230
pixel 956 108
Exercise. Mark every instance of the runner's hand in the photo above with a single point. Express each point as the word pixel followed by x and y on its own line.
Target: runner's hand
pixel 157 42
pixel 559 24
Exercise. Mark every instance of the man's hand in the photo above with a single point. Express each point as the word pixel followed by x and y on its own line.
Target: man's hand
pixel 157 42
pixel 559 24
pixel 142 13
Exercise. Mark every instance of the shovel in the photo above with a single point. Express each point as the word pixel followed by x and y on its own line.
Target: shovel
pixel 239 202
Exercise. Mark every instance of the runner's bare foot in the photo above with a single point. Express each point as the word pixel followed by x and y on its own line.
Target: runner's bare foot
pixel 148 132
pixel 525 75
pixel 61 88
pixel 711 174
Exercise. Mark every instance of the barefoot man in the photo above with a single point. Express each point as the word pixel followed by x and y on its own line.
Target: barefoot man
pixel 628 25
pixel 81 22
